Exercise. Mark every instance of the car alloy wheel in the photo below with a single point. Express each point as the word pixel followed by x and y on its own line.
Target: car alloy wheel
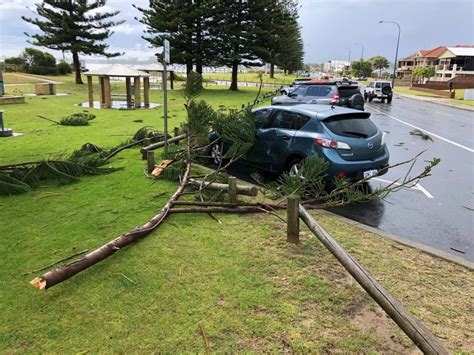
pixel 295 170
pixel 216 154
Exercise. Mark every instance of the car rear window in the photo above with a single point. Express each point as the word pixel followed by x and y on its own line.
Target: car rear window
pixel 353 125
pixel 348 91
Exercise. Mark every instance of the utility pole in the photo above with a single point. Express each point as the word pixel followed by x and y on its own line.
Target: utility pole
pixel 396 52
pixel 166 59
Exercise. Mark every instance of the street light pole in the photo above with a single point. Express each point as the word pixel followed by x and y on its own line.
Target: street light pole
pixel 362 54
pixel 396 52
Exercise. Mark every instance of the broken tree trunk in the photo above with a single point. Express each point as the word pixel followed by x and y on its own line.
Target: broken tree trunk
pixel 421 336
pixel 62 273
pixel 241 190
pixel 162 144
pixel 243 209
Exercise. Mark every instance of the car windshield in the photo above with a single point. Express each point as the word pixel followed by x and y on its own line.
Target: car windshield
pixel 355 125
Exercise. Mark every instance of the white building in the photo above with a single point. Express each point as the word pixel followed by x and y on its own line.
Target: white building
pixel 336 66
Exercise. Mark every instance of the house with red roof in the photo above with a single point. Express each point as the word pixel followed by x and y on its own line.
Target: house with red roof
pixel 448 61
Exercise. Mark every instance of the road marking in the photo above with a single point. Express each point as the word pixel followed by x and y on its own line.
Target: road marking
pixel 425 191
pixel 414 187
pixel 426 131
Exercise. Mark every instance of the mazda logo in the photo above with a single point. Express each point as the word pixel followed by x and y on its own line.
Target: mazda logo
pixel 370 145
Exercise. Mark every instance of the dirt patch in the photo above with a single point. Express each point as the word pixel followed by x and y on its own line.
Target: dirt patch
pixel 381 326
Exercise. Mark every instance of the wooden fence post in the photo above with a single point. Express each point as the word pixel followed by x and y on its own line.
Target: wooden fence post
pixel 232 189
pixel 150 160
pixel 293 220
pixel 176 133
pixel 146 143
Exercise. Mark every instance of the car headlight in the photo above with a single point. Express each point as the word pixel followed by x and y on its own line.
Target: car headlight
pixel 384 139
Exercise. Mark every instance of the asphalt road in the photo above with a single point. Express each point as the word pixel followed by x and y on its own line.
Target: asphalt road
pixel 439 212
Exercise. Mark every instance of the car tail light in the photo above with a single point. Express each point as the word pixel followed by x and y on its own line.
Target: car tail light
pixel 341 175
pixel 335 99
pixel 331 143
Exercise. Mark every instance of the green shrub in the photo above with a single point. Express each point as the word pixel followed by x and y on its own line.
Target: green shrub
pixel 63 68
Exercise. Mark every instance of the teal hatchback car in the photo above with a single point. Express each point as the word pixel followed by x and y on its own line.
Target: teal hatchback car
pixel 346 138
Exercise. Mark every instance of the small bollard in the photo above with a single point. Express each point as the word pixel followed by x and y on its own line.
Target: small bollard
pixel 150 160
pixel 293 219
pixel 232 189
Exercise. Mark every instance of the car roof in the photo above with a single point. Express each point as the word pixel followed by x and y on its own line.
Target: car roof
pixel 321 112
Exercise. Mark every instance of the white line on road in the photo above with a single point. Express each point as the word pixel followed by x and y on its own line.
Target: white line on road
pixel 425 191
pixel 415 187
pixel 424 130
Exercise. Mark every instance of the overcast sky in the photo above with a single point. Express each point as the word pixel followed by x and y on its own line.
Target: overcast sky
pixel 330 28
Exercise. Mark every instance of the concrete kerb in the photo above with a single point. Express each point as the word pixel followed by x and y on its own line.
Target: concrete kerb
pixel 429 250
pixel 436 101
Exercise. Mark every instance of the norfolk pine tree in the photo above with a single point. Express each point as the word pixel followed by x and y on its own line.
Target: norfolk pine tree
pixel 74 26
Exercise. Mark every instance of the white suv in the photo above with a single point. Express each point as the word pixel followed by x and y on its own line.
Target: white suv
pixel 379 90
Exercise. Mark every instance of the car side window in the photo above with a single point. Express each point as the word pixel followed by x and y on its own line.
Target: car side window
pixel 299 91
pixel 282 119
pixel 261 117
pixel 325 91
pixel 301 120
pixel 371 85
pixel 313 91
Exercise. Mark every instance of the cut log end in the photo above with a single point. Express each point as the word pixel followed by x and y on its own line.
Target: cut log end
pixel 39 283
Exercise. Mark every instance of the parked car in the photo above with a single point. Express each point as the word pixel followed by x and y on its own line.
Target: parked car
pixel 348 139
pixel 379 90
pixel 324 92
pixel 285 90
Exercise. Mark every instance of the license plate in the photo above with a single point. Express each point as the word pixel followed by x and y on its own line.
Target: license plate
pixel 370 173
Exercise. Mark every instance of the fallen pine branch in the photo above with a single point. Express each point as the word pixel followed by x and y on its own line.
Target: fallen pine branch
pixel 62 273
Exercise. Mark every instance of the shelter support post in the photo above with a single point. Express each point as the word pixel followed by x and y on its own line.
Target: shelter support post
pixel 138 102
pixel 128 92
pixel 90 91
pixel 146 91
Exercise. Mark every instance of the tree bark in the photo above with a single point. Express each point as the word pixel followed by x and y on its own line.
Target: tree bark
pixel 77 67
pixel 189 66
pixel 244 209
pixel 62 273
pixel 272 70
pixel 235 68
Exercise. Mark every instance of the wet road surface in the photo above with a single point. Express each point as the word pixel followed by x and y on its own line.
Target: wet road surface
pixel 440 211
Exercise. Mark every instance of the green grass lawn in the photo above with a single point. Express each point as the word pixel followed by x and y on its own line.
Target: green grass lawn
pixel 253 77
pixel 458 100
pixel 238 280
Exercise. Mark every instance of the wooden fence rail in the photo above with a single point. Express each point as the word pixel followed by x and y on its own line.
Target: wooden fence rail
pixel 416 331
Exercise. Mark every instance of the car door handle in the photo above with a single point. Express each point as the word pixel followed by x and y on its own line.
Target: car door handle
pixel 286 138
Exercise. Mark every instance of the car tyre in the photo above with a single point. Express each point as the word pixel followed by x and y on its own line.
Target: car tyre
pixel 383 100
pixel 389 100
